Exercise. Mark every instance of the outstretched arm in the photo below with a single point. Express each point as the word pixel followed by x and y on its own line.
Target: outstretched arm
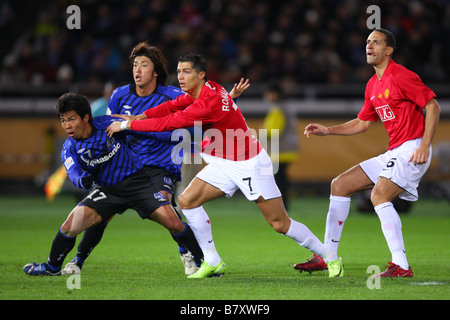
pixel 351 127
pixel 141 116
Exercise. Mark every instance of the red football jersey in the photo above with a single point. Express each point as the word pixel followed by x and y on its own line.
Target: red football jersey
pixel 398 100
pixel 226 134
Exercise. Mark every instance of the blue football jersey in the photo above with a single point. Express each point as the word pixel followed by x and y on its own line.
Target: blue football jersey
pixel 152 152
pixel 107 160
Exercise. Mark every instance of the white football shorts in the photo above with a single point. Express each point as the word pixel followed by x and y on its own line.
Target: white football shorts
pixel 394 165
pixel 254 177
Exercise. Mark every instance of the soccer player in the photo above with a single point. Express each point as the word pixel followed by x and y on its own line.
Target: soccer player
pixel 235 160
pixel 148 90
pixel 90 156
pixel 397 97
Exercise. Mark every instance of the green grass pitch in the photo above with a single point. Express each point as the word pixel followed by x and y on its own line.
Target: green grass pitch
pixel 138 260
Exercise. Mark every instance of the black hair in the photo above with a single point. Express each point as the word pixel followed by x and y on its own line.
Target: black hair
pixel 389 38
pixel 155 55
pixel 198 62
pixel 73 102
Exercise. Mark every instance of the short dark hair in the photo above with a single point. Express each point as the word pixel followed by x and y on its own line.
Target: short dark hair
pixel 73 102
pixel 155 55
pixel 389 37
pixel 198 62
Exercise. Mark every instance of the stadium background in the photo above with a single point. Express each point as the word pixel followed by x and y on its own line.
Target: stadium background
pixel 315 49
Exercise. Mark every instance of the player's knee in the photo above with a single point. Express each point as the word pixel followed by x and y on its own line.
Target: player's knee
pixel 335 186
pixel 66 227
pixel 182 201
pixel 377 197
pixel 186 202
pixel 67 230
pixel 339 187
pixel 374 198
pixel 80 219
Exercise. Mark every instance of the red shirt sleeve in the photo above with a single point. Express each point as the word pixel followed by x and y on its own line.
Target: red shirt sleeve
pixel 413 88
pixel 368 112
pixel 168 107
pixel 197 111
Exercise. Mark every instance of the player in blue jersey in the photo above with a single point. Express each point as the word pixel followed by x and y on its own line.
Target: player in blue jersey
pixel 159 158
pixel 109 165
pixel 148 90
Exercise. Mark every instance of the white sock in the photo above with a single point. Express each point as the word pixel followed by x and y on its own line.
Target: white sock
pixel 304 237
pixel 392 230
pixel 200 224
pixel 337 214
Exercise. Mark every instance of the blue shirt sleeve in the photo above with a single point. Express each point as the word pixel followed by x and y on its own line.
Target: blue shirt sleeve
pixel 73 168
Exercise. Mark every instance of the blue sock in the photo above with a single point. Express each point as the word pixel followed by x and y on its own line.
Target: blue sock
pixel 182 250
pixel 187 240
pixel 61 246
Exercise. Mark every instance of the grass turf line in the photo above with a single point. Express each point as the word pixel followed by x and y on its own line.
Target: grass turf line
pixel 138 259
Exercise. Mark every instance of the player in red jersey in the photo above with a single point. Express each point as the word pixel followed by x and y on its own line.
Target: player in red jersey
pixel 397 97
pixel 235 160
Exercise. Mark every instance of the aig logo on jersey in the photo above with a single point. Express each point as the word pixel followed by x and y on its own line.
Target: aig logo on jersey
pixel 385 113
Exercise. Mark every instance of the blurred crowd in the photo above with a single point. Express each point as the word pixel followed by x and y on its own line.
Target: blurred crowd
pixel 297 41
